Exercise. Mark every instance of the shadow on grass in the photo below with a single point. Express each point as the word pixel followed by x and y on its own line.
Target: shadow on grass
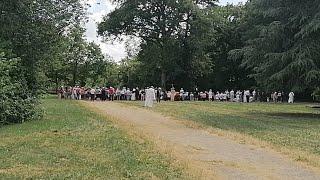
pixel 295 115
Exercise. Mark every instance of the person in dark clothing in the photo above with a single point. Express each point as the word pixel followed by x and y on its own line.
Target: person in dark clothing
pixel 158 95
pixel 103 94
pixel 196 94
pixel 137 94
pixel 165 96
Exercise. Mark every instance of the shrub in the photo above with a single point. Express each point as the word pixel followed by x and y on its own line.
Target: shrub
pixel 17 104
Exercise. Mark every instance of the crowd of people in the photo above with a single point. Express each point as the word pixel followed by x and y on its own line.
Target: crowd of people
pixel 145 94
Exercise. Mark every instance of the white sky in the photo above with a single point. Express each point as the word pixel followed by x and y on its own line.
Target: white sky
pixel 98 9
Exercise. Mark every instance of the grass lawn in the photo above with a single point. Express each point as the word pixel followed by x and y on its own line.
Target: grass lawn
pixel 72 142
pixel 294 127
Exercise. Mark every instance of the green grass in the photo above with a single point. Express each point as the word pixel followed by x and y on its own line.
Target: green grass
pixel 293 126
pixel 72 142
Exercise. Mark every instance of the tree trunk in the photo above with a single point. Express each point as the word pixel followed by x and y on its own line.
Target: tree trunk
pixel 163 79
pixel 57 83
pixel 74 74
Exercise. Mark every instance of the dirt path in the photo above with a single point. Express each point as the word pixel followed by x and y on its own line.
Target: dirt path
pixel 228 159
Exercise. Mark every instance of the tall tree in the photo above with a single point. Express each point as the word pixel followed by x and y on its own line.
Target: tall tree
pixel 227 73
pixel 30 37
pixel 34 29
pixel 282 44
pixel 160 25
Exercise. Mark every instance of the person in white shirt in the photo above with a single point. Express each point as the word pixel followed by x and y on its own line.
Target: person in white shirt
pixel 168 95
pixel 246 96
pixel 191 97
pixel 291 97
pixel 181 94
pixel 92 94
pixel 254 95
pixel 224 96
pixel 123 92
pixel 217 96
pixel 228 95
pixel 128 94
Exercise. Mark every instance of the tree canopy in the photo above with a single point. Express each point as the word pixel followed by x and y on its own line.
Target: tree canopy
pixel 269 45
pixel 282 44
pixel 42 46
pixel 165 27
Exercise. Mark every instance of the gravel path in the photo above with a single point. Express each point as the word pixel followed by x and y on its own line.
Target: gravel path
pixel 228 159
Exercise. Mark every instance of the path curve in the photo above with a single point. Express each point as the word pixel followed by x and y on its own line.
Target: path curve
pixel 229 159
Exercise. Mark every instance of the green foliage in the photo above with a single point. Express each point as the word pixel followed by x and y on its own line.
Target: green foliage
pixel 282 44
pixel 131 74
pixel 17 104
pixel 185 43
pixel 269 44
pixel 227 72
pixel 42 34
pixel 173 34
pixel 35 30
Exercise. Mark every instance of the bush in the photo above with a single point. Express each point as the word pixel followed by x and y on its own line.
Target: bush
pixel 17 104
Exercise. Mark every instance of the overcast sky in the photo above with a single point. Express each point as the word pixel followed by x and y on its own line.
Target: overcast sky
pixel 98 9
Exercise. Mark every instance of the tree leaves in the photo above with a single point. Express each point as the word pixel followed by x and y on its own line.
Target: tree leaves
pixel 281 44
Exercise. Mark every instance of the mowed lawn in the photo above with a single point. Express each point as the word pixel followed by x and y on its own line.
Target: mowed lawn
pixel 72 142
pixel 294 127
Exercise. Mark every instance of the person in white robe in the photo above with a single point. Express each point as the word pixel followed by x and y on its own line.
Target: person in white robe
pixel 244 97
pixel 238 96
pixel 146 93
pixel 150 97
pixel 191 96
pixel 291 97
pixel 232 95
pixel 173 94
pixel 210 95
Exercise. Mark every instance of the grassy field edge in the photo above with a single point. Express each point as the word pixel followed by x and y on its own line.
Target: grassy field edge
pixel 74 142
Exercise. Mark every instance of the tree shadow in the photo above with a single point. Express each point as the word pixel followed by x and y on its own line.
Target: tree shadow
pixel 295 115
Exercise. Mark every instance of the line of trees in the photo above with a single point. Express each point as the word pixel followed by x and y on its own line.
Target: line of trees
pixel 266 44
pixel 42 47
